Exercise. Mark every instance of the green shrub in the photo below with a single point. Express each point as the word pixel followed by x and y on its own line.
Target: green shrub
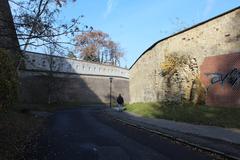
pixel 8 80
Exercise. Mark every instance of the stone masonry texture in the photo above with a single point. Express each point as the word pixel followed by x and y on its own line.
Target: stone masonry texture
pixel 215 37
pixel 8 38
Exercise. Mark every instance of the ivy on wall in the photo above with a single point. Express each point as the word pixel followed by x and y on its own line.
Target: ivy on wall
pixel 172 62
pixel 181 75
pixel 8 80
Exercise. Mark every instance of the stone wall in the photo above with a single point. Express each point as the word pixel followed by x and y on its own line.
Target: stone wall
pixel 8 37
pixel 70 81
pixel 217 36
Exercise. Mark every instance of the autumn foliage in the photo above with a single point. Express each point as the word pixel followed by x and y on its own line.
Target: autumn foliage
pixel 98 47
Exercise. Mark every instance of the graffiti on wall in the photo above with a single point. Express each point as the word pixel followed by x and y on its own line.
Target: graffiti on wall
pixel 232 78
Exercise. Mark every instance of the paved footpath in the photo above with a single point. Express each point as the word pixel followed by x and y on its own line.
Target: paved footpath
pixel 88 133
pixel 221 139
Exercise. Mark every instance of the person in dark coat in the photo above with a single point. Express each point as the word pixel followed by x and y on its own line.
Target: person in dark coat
pixel 120 99
pixel 120 102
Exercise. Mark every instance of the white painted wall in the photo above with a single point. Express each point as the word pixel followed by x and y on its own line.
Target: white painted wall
pixel 36 61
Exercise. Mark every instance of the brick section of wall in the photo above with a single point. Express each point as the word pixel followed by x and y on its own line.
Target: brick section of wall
pixel 220 35
pixel 221 75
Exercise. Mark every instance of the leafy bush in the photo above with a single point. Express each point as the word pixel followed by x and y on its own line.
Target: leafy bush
pixel 8 80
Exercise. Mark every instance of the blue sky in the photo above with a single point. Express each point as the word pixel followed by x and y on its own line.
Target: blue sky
pixel 137 24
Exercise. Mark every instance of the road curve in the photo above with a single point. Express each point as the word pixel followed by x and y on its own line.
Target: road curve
pixel 88 133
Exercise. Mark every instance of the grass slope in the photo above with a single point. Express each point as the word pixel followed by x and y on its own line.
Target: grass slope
pixel 217 116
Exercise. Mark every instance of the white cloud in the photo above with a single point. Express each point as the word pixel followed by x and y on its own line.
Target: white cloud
pixel 208 8
pixel 109 8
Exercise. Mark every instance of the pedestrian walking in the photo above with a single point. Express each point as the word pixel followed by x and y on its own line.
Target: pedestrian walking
pixel 120 103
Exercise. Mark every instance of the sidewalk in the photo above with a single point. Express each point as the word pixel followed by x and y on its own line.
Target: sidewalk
pixel 220 139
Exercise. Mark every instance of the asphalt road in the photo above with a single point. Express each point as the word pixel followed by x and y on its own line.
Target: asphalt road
pixel 89 134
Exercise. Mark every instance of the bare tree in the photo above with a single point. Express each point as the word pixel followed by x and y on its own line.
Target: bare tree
pixel 114 53
pixel 71 55
pixel 37 26
pixel 34 24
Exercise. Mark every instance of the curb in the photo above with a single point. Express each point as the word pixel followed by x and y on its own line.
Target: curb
pixel 224 155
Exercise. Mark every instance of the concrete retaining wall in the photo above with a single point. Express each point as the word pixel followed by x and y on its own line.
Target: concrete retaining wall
pixel 42 62
pixel 70 81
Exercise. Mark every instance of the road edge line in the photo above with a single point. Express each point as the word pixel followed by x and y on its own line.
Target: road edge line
pixel 224 155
